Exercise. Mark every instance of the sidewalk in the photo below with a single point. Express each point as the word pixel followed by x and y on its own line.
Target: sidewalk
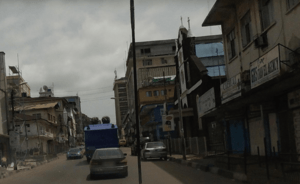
pixel 255 173
pixel 27 165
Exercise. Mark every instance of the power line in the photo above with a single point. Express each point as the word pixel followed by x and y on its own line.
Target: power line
pixel 85 89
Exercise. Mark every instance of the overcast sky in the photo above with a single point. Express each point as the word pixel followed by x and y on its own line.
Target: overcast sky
pixel 77 45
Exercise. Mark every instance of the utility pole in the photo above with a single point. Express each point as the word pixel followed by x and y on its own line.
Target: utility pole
pixel 135 91
pixel 166 113
pixel 181 130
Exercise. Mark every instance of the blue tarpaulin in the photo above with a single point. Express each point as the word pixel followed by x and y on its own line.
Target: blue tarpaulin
pixel 100 127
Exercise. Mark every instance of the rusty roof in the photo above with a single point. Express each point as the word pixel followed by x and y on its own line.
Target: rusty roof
pixel 36 106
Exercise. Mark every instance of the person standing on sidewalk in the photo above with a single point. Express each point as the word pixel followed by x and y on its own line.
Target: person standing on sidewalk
pixel 3 162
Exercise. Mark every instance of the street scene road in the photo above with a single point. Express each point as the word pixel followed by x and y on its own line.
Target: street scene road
pixel 62 171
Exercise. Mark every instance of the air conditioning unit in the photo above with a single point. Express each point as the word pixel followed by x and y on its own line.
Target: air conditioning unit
pixel 261 41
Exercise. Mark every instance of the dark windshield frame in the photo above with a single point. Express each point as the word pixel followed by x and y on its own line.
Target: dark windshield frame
pixel 155 144
pixel 107 154
pixel 74 150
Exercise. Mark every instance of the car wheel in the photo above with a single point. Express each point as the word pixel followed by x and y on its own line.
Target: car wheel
pixel 92 176
pixel 88 160
pixel 125 174
pixel 144 157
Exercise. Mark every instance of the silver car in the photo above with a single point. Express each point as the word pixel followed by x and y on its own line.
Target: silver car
pixel 154 150
pixel 108 161
pixel 74 153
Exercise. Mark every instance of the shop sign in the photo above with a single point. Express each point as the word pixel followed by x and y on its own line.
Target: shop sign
pixel 294 99
pixel 206 102
pixel 168 123
pixel 231 89
pixel 265 68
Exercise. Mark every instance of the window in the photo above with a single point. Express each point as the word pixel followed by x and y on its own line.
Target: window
pixel 266 13
pixel 24 94
pixel 37 116
pixel 173 48
pixel 188 72
pixel 156 93
pixel 180 57
pixel 163 92
pixel 28 127
pixel 49 117
pixel 231 44
pixel 246 29
pixel 145 51
pixel 182 77
pixel 164 61
pixel 149 93
pixel 147 62
pixel 53 118
pixel 291 3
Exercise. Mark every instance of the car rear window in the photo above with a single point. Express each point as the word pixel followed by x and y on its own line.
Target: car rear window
pixel 110 153
pixel 74 150
pixel 155 144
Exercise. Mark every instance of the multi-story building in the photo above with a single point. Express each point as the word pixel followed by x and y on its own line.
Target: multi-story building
pixel 21 88
pixel 40 125
pixel 121 105
pixel 75 101
pixel 260 99
pixel 200 67
pixel 4 122
pixel 153 59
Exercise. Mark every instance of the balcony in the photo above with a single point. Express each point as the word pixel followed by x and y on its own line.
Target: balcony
pixel 45 134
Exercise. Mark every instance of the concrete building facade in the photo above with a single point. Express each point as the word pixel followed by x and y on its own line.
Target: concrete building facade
pixel 121 104
pixel 261 46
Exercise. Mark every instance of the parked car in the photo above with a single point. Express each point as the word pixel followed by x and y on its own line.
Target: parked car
pixel 108 161
pixel 82 149
pixel 74 153
pixel 122 142
pixel 143 140
pixel 154 150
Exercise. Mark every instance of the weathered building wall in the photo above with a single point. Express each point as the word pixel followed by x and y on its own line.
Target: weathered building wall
pixel 144 99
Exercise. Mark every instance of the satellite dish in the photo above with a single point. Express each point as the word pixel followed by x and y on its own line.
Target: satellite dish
pixel 45 87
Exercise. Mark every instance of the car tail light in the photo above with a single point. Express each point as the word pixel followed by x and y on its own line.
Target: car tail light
pixel 122 162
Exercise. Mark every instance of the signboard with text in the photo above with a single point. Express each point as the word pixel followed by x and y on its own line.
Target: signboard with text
pixel 206 102
pixel 265 68
pixel 231 89
pixel 168 123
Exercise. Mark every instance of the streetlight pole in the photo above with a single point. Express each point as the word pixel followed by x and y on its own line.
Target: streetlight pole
pixel 135 91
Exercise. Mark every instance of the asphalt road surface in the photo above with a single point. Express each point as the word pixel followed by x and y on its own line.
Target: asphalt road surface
pixel 62 171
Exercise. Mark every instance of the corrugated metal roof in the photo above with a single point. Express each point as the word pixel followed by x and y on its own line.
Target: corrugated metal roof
pixel 215 71
pixel 100 126
pixel 209 49
pixel 35 106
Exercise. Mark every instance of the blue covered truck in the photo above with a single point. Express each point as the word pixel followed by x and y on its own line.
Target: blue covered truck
pixel 100 136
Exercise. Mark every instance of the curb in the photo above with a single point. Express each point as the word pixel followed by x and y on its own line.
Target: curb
pixel 7 173
pixel 215 170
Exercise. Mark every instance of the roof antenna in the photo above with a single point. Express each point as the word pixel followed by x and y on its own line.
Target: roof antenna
pixel 189 31
pixel 116 74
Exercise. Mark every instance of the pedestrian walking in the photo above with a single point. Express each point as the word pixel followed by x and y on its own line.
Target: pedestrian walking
pixel 3 162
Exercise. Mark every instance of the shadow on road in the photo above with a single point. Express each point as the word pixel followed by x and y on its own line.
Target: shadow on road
pixel 82 163
pixel 104 177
